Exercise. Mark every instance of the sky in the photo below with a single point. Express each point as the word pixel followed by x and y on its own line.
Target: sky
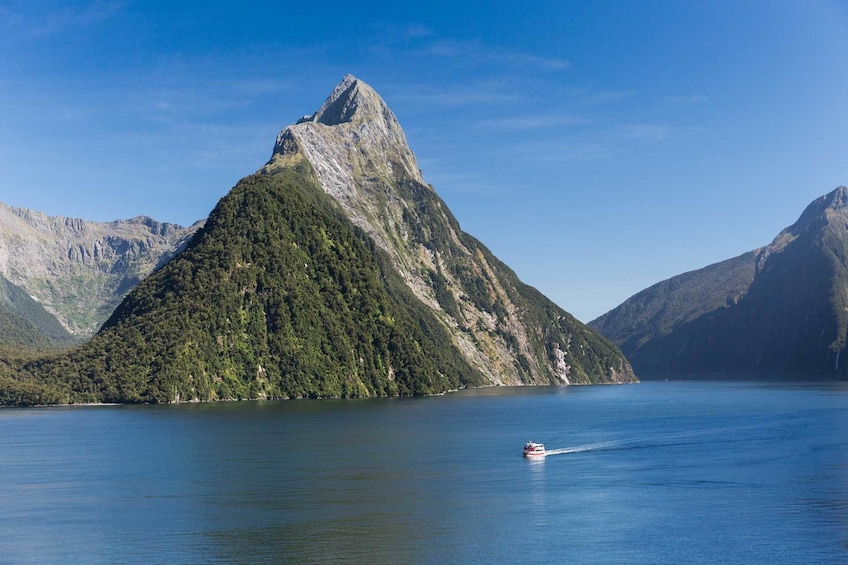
pixel 595 147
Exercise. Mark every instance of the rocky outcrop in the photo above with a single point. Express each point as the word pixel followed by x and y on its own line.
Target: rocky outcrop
pixel 80 270
pixel 505 329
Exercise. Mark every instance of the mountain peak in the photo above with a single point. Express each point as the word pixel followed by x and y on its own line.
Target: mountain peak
pixel 349 98
pixel 836 199
pixel 353 130
pixel 819 212
pixel 359 155
pixel 778 311
pixel 352 101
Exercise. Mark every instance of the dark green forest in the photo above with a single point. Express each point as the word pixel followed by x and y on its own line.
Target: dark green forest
pixel 278 296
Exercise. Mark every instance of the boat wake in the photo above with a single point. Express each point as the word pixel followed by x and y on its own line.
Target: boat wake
pixel 582 448
pixel 690 437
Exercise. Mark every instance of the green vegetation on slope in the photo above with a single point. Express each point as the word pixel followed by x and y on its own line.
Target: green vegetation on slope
pixel 277 296
pixel 26 328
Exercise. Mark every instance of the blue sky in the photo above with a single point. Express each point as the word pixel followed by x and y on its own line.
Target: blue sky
pixel 595 147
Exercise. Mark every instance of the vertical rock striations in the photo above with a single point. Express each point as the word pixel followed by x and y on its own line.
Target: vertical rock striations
pixel 507 330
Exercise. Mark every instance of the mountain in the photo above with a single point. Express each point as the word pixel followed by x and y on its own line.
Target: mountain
pixel 333 271
pixel 78 270
pixel 507 330
pixel 779 311
pixel 279 295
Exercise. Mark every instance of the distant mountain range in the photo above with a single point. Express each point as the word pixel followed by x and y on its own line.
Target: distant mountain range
pixel 333 271
pixel 779 312
pixel 76 270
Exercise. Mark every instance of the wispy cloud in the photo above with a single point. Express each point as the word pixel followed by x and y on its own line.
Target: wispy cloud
pixel 596 141
pixel 653 132
pixel 392 36
pixel 415 30
pixel 475 51
pixel 590 95
pixel 564 151
pixel 450 48
pixel 533 60
pixel 607 96
pixel 162 104
pixel 534 122
pixel 450 181
pixel 689 99
pixel 191 96
pixel 51 22
pixel 471 95
pixel 257 86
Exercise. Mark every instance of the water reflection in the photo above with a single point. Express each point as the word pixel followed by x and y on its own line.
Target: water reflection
pixel 326 482
pixel 538 487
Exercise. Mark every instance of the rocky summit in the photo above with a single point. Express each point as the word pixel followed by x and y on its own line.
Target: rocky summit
pixel 335 271
pixel 780 311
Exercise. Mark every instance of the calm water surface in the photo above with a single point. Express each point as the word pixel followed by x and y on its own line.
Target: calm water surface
pixel 655 473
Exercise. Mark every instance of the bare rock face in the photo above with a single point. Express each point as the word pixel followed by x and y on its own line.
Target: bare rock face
pixel 510 332
pixel 80 270
pixel 356 147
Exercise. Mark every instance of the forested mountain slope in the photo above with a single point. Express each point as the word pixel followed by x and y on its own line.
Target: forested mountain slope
pixel 333 271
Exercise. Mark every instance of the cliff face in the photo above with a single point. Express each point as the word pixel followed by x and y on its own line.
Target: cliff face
pixel 78 270
pixel 505 329
pixel 778 311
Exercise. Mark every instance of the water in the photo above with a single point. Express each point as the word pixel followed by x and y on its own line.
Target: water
pixel 651 473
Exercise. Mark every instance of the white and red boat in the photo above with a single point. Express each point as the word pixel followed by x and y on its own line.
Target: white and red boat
pixel 534 449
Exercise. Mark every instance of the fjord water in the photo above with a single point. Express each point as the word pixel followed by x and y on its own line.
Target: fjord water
pixel 660 472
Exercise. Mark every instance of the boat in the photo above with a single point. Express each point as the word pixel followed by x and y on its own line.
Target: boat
pixel 534 449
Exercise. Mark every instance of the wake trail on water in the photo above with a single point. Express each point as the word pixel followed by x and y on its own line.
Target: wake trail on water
pixel 690 437
pixel 581 448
